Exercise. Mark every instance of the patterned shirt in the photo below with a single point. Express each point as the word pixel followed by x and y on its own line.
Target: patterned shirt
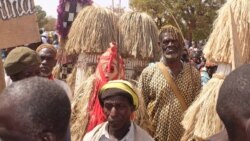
pixel 162 105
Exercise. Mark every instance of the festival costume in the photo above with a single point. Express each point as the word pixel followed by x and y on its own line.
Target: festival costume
pixel 163 107
pixel 138 42
pixel 88 41
pixel 86 109
pixel 229 47
pixel 67 11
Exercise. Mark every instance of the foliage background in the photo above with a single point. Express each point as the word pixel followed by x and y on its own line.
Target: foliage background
pixel 194 17
pixel 48 23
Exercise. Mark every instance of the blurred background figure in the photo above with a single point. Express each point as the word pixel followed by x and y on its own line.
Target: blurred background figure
pixel 21 63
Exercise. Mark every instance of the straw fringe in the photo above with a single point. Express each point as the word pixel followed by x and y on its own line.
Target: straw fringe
pixel 218 48
pixel 201 119
pixel 62 43
pixel 141 115
pixel 71 80
pixel 2 80
pixel 56 71
pixel 92 31
pixel 138 36
pixel 80 116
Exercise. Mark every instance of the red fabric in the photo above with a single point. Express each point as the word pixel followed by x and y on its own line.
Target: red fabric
pixel 51 77
pixel 95 110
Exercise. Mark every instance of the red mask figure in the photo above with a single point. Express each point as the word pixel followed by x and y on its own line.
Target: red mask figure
pixel 110 67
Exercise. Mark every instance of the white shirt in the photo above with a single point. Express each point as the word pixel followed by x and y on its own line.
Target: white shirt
pixel 100 133
pixel 128 137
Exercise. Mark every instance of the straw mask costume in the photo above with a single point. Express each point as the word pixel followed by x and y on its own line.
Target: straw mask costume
pixel 229 47
pixel 86 109
pixel 108 68
pixel 88 41
pixel 138 42
pixel 67 11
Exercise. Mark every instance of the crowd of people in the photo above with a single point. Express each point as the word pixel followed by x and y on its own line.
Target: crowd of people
pixel 38 105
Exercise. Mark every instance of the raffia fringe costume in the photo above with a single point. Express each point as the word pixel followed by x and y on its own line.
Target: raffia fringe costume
pixel 86 109
pixel 138 45
pixel 88 41
pixel 67 11
pixel 138 42
pixel 90 34
pixel 229 47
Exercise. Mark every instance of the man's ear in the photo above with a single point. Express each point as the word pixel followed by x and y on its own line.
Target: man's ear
pixel 48 136
pixel 133 108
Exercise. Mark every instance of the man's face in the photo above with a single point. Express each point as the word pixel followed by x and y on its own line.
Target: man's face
pixel 117 110
pixel 30 71
pixel 10 134
pixel 48 61
pixel 171 48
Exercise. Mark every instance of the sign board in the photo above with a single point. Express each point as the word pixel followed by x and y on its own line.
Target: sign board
pixel 18 23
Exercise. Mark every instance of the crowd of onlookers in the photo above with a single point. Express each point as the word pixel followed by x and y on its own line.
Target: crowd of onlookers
pixel 35 108
pixel 193 54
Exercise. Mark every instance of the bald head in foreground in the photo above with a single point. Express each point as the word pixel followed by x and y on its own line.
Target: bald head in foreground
pixel 34 109
pixel 233 106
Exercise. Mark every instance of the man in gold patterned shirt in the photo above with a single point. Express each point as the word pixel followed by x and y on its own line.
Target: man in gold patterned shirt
pixel 169 86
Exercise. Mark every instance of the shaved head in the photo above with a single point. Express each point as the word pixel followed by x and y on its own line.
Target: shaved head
pixel 233 105
pixel 34 106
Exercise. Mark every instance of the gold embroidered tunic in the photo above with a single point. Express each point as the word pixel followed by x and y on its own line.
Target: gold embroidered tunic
pixel 162 105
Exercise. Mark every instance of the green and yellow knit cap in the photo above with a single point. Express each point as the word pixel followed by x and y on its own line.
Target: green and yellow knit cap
pixel 19 59
pixel 122 86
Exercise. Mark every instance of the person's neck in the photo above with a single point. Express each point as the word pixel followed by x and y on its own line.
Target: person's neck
pixel 174 65
pixel 221 136
pixel 120 133
pixel 237 135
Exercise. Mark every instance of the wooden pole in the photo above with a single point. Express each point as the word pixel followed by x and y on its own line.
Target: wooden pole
pixel 2 80
pixel 113 5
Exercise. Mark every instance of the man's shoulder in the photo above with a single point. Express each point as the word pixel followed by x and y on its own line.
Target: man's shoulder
pixel 97 130
pixel 141 134
pixel 150 68
pixel 221 136
pixel 188 66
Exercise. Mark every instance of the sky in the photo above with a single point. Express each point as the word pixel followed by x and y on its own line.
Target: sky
pixel 50 6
